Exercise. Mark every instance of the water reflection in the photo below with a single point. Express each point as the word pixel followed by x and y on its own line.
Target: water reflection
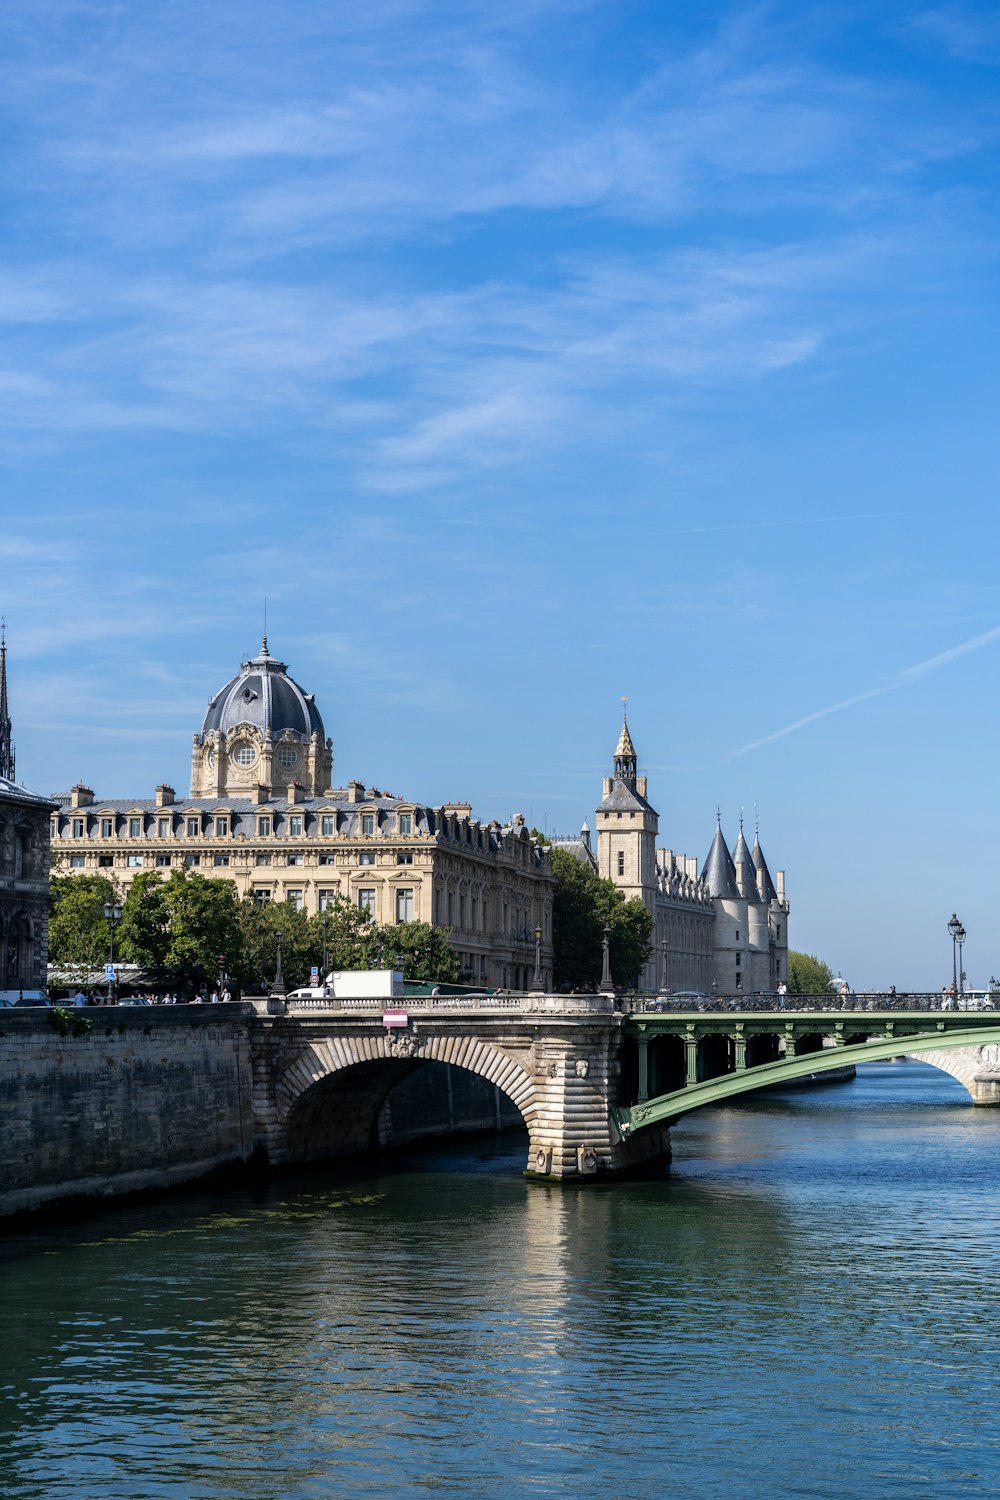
pixel 801 1307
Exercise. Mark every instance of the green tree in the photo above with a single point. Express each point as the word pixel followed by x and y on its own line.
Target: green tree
pixel 422 952
pixel 79 932
pixel 258 945
pixel 582 904
pixel 808 975
pixel 351 937
pixel 144 933
pixel 180 927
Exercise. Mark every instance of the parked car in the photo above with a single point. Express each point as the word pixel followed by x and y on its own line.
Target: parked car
pixel 33 997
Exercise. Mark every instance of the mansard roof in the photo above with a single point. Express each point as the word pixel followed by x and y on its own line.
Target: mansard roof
pixel 765 885
pixel 719 872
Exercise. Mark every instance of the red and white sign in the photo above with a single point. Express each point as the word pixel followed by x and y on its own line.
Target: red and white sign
pixel 395 1018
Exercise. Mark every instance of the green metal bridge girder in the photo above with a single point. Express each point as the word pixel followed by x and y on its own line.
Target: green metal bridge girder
pixel 937 1031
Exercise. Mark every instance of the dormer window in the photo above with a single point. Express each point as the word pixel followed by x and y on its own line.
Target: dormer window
pixel 367 824
pixel 193 828
pixel 107 828
pixel 405 824
pixel 135 828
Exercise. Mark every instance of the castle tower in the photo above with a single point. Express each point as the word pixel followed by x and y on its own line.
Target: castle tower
pixel 6 743
pixel 626 835
pixel 777 916
pixel 733 968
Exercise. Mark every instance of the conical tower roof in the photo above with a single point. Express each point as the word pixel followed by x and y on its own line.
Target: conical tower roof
pixel 742 856
pixel 765 885
pixel 625 745
pixel 719 873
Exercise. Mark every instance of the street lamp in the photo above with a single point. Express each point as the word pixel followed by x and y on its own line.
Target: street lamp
pixel 326 947
pixel 955 927
pixel 960 939
pixel 537 983
pixel 664 971
pixel 113 915
pixel 278 988
pixel 607 988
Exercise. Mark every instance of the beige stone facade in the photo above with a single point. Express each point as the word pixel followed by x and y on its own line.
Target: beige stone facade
pixel 725 926
pixel 263 814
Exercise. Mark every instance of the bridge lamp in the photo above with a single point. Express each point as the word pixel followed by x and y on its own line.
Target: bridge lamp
pixel 537 982
pixel 278 988
pixel 960 939
pixel 113 914
pixel 955 927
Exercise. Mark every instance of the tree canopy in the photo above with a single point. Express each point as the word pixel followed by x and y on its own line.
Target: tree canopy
pixel 79 932
pixel 181 928
pixel 582 904
pixel 807 975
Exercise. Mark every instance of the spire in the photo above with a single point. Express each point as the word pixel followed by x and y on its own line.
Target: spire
pixel 765 885
pixel 625 756
pixel 719 873
pixel 746 870
pixel 6 743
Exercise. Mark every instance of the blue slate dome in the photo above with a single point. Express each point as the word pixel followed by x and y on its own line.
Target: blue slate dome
pixel 265 697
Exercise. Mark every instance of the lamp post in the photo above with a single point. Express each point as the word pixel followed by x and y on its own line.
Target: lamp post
pixel 113 914
pixel 278 988
pixel 664 971
pixel 607 988
pixel 960 939
pixel 222 975
pixel 537 983
pixel 955 927
pixel 326 947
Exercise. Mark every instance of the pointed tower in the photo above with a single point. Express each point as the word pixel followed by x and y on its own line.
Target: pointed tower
pixel 777 918
pixel 625 757
pixel 746 874
pixel 6 743
pixel 732 966
pixel 626 833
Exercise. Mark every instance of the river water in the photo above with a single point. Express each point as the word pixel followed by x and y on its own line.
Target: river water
pixel 806 1305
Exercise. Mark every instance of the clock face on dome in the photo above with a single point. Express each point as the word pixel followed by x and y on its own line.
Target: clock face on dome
pixel 210 759
pixel 244 754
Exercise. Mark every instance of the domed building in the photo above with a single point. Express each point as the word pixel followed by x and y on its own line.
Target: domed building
pixel 263 813
pixel 261 728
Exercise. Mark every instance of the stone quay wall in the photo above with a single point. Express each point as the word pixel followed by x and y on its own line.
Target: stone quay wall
pixel 144 1099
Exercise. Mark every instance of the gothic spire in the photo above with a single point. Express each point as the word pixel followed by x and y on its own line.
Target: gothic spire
pixel 625 756
pixel 6 743
pixel 719 872
pixel 746 870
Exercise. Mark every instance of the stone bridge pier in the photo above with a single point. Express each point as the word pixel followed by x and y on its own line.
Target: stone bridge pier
pixel 321 1077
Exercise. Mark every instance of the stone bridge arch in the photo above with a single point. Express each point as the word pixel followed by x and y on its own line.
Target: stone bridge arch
pixel 326 1102
pixel 977 1069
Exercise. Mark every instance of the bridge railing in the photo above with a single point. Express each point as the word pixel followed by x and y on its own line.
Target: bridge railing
pixel 423 1004
pixel 861 1001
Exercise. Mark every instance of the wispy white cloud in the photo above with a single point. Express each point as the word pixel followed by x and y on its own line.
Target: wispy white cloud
pixel 904 678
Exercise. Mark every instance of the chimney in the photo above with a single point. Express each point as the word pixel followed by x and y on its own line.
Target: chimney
pixel 781 886
pixel 81 796
pixel 261 793
pixel 165 795
pixel 296 791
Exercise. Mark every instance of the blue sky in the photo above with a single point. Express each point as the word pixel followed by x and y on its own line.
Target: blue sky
pixel 524 357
